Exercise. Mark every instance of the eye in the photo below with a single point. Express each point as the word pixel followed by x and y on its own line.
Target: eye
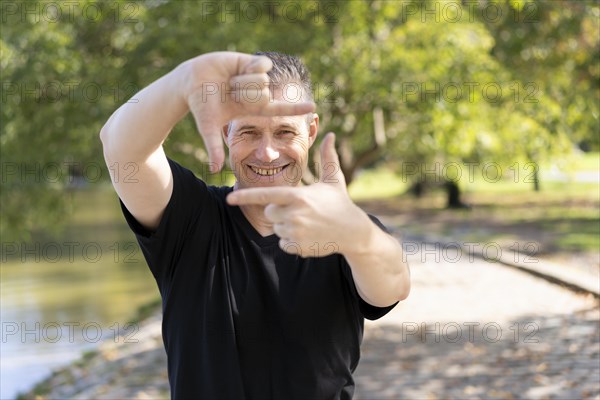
pixel 286 133
pixel 248 133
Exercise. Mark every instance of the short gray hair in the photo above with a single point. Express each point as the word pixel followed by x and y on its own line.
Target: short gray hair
pixel 288 69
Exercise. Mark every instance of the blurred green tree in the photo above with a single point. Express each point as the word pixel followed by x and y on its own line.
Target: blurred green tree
pixel 431 85
pixel 422 85
pixel 60 81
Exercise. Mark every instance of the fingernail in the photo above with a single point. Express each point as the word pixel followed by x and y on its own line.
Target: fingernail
pixel 214 167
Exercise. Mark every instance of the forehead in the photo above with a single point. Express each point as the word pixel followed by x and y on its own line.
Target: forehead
pixel 269 123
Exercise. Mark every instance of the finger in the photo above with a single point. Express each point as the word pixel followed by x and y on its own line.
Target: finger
pixel 253 81
pixel 331 171
pixel 251 89
pixel 262 196
pixel 287 108
pixel 251 98
pixel 276 213
pixel 214 146
pixel 213 142
pixel 253 64
pixel 290 246
pixel 281 230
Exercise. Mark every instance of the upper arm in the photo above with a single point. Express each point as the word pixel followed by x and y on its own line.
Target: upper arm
pixel 144 186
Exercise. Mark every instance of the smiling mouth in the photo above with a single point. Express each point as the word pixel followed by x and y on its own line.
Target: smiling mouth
pixel 267 171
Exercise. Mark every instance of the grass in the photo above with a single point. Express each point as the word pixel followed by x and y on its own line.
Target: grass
pixel 380 183
pixel 383 183
pixel 86 357
pixel 146 310
pixel 564 217
pixel 586 162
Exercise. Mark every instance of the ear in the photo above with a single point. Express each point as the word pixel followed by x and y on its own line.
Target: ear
pixel 313 129
pixel 225 133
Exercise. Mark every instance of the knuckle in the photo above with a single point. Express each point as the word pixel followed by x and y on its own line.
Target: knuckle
pixel 263 79
pixel 295 220
pixel 300 200
pixel 263 198
pixel 292 233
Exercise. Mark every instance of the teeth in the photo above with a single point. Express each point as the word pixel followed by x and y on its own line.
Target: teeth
pixel 266 172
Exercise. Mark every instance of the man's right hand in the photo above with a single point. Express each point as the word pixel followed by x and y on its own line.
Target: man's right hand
pixel 222 86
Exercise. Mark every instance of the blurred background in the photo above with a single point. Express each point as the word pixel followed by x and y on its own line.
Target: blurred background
pixel 470 121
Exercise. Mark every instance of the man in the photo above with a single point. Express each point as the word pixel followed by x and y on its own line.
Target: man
pixel 265 285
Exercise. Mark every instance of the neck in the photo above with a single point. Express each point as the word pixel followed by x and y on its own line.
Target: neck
pixel 255 214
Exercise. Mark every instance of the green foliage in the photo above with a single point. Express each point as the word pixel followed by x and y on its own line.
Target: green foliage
pixel 556 45
pixel 61 80
pixel 428 80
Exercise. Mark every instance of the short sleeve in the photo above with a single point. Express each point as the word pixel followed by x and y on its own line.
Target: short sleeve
pixel 369 311
pixel 161 248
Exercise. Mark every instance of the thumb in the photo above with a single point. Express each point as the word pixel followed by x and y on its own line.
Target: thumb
pixel 253 64
pixel 331 171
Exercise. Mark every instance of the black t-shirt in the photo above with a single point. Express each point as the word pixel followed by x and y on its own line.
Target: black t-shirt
pixel 242 319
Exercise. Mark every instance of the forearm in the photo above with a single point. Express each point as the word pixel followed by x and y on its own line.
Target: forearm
pixel 379 268
pixel 140 126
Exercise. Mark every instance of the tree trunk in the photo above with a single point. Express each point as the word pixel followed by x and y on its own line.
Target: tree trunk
pixel 453 192
pixel 417 189
pixel 536 172
pixel 351 162
pixel 536 180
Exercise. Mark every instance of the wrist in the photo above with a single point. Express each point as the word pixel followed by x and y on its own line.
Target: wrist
pixel 361 236
pixel 182 79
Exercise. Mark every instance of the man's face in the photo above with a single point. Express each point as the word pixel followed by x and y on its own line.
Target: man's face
pixel 270 151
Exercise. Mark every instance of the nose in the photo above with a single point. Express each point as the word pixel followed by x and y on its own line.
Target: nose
pixel 266 151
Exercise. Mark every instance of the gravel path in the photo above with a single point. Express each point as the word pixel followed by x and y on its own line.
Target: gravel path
pixel 474 329
pixel 469 329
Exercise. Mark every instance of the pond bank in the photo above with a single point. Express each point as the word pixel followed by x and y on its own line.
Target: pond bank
pixel 132 366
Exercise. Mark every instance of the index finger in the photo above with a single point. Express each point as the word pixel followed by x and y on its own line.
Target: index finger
pixel 281 107
pixel 262 196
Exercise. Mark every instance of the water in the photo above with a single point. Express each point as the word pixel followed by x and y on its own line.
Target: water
pixel 61 297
